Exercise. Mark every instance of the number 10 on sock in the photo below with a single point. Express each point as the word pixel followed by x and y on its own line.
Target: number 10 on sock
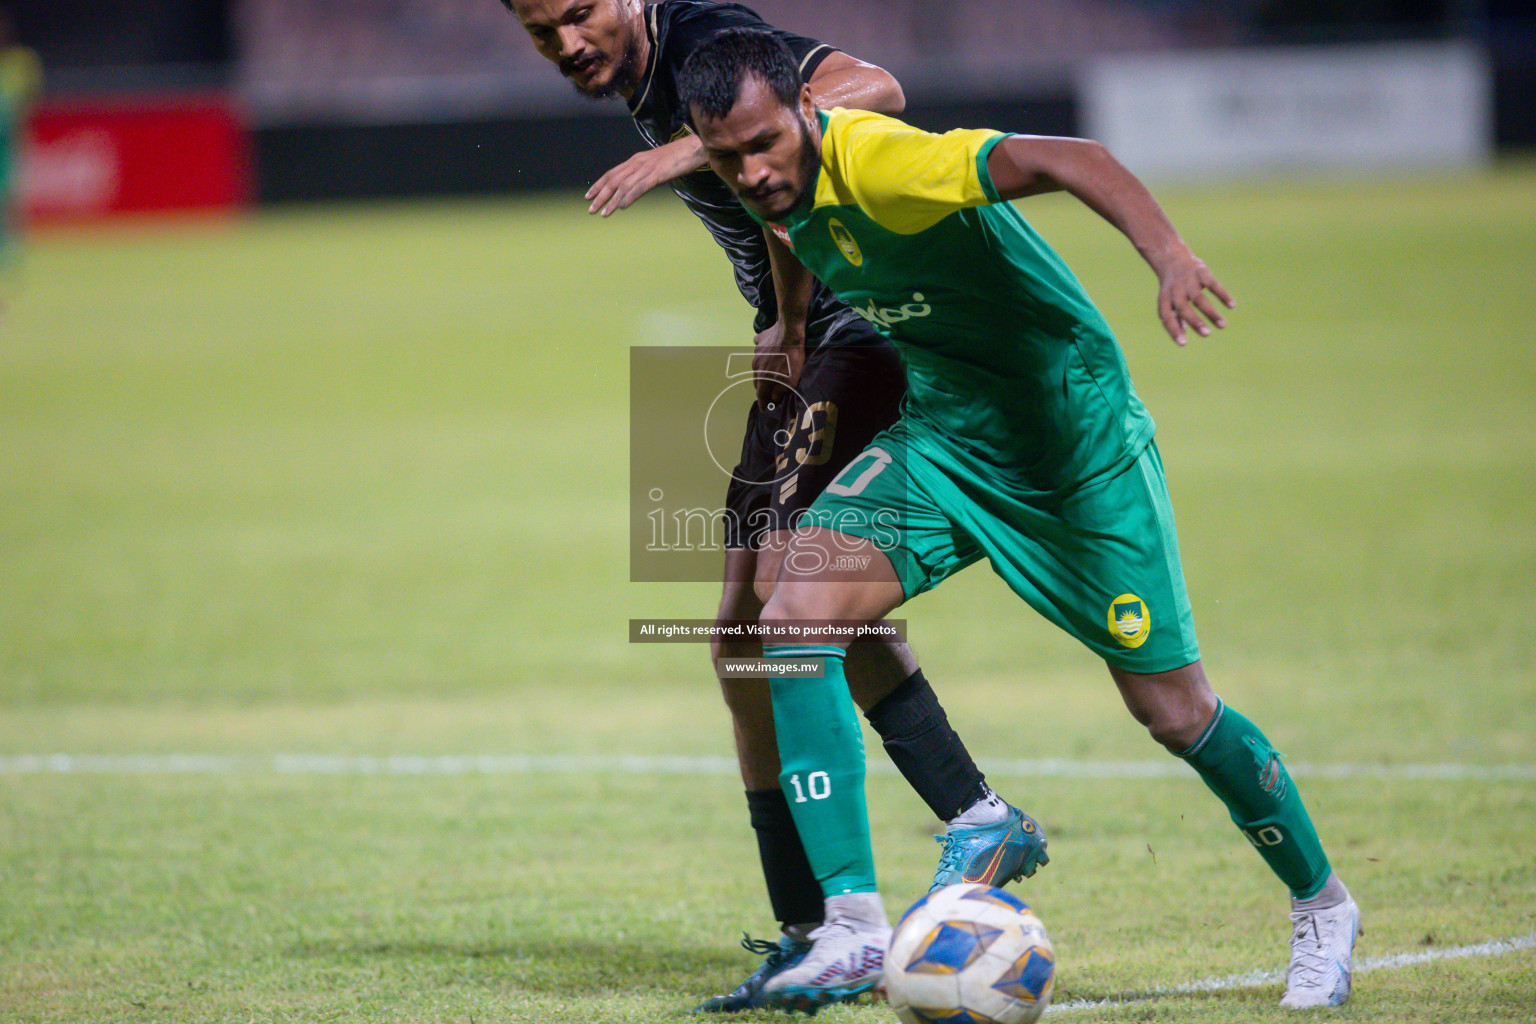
pixel 817 784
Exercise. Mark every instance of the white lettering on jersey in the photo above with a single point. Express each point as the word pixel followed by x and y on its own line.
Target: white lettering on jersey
pixel 887 317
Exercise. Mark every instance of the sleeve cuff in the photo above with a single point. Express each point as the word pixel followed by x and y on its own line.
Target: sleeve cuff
pixel 982 174
pixel 811 61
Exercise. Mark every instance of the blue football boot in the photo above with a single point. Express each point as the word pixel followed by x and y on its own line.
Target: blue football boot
pixel 995 854
pixel 778 956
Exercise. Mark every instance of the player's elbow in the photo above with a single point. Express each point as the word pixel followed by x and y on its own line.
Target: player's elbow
pixel 892 99
pixel 872 88
pixel 1087 156
pixel 842 80
pixel 884 92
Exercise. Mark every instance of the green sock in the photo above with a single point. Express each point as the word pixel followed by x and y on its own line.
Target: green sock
pixel 1239 765
pixel 821 758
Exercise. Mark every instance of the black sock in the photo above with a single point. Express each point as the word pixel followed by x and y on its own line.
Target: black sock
pixel 916 734
pixel 792 888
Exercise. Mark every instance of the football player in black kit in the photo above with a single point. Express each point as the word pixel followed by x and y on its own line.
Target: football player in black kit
pixel 828 382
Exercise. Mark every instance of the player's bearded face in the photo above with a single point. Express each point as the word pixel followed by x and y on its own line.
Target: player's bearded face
pixel 765 150
pixel 600 74
pixel 795 186
pixel 594 43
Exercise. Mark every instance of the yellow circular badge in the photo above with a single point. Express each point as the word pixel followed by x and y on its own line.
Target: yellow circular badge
pixel 1129 621
pixel 845 243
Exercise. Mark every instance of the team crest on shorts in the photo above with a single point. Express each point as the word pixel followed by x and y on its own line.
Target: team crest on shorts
pixel 845 243
pixel 1129 621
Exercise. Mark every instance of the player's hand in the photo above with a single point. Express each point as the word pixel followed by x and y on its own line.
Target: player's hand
pixel 1182 300
pixel 620 186
pixel 778 358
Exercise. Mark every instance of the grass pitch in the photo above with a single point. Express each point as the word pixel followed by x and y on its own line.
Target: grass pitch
pixel 351 482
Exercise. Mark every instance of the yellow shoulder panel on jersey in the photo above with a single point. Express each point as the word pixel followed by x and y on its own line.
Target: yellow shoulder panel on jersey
pixel 905 179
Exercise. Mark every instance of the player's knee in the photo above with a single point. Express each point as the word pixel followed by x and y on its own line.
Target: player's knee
pixel 1175 707
pixel 794 611
pixel 783 607
pixel 1175 728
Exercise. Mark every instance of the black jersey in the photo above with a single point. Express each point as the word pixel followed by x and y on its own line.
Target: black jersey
pixel 676 28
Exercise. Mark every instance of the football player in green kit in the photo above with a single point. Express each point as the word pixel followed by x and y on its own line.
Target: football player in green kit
pixel 1021 440
pixel 846 382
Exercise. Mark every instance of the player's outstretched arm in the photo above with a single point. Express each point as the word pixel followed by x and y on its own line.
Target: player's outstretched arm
pixel 1026 165
pixel 621 185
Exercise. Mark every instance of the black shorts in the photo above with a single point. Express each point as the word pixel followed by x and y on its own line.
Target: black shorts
pixel 848 392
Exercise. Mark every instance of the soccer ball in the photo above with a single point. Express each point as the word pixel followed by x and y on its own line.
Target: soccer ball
pixel 969 954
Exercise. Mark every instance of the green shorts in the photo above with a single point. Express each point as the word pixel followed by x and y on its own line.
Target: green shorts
pixel 1102 562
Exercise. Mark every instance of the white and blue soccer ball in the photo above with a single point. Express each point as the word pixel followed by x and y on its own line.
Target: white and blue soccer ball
pixel 970 954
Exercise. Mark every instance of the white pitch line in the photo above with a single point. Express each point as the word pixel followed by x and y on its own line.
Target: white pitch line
pixel 1254 979
pixel 638 764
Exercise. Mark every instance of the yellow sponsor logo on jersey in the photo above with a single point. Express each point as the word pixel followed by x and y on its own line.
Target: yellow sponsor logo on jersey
pixel 845 243
pixel 1129 621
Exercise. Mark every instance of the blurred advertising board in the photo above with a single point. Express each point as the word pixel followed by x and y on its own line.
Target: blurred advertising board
pixel 87 160
pixel 1354 107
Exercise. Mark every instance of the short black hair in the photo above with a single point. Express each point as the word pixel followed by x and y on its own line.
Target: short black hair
pixel 712 76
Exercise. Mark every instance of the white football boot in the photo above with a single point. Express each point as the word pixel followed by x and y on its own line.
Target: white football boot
pixel 847 956
pixel 1322 956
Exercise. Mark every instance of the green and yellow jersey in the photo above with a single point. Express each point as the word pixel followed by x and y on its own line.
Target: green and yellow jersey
pixel 1009 364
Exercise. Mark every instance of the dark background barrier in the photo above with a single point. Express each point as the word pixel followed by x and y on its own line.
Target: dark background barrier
pixel 75 35
pixel 358 101
pixel 319 162
pixel 1514 88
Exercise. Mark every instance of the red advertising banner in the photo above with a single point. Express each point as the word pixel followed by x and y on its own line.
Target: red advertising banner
pixel 82 161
